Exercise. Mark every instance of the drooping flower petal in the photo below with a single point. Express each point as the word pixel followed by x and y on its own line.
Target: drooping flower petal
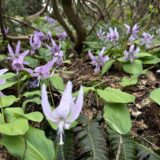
pixel 11 52
pixel 77 107
pixel 65 104
pixel 101 53
pixel 92 57
pixel 2 71
pixel 53 43
pixel 105 59
pixel 97 69
pixel 101 34
pixel 46 106
pixel 25 53
pixel 18 47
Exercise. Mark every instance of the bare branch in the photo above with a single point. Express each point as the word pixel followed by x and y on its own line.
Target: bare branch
pixel 23 23
pixel 96 6
pixel 33 17
pixel 76 21
pixel 16 38
pixel 99 18
pixel 60 19
pixel 2 22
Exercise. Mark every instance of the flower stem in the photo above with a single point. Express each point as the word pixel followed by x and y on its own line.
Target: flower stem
pixel 2 111
pixel 56 151
pixel 50 91
pixel 18 85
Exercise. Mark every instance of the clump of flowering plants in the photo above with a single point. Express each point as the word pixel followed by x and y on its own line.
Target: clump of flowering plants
pixel 17 58
pixel 126 44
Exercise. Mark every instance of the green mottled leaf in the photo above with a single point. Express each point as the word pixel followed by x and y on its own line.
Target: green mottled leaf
pixel 154 60
pixel 35 146
pixel 40 148
pixel 155 95
pixel 16 112
pixel 7 85
pixel 32 93
pixel 17 127
pixel 107 66
pixel 36 100
pixel 118 117
pixel 112 95
pixel 14 144
pixel 6 101
pixel 133 68
pixel 32 62
pixel 144 55
pixel 57 82
pixel 129 81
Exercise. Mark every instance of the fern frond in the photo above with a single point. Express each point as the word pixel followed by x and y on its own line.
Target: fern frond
pixel 123 146
pixel 145 153
pixel 91 141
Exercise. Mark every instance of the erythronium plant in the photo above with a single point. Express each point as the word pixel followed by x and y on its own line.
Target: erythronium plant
pixel 56 52
pixel 98 61
pixel 101 34
pixel 113 35
pixel 131 53
pixel 133 31
pixel 42 72
pixel 17 58
pixel 67 111
pixel 50 20
pixel 49 35
pixel 62 36
pixel 35 41
pixel 146 39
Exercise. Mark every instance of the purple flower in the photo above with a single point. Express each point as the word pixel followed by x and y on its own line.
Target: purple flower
pixel 33 83
pixel 42 72
pixel 133 31
pixel 67 111
pixel 113 35
pixel 130 54
pixel 35 40
pixel 56 52
pixel 16 57
pixel 50 20
pixel 146 39
pixel 49 35
pixel 62 36
pixel 98 61
pixel 2 81
pixel 101 35
pixel 6 30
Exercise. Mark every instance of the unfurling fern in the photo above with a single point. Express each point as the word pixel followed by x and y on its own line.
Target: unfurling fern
pixel 123 146
pixel 90 140
pixel 145 153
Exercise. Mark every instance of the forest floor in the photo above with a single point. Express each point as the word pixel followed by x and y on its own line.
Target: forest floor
pixel 145 114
